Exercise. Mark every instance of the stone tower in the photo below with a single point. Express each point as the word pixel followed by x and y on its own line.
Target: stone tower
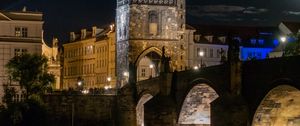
pixel 144 27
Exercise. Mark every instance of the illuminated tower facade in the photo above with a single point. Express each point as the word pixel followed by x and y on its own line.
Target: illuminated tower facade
pixel 144 27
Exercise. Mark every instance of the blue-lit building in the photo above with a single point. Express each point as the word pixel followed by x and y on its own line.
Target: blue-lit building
pixel 255 43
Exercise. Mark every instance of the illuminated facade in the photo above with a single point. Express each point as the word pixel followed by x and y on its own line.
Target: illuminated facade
pixel 20 32
pixel 208 44
pixel 89 59
pixel 143 29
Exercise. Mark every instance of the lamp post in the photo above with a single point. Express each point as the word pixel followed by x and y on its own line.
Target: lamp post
pixel 80 84
pixel 283 40
pixel 151 66
pixel 108 83
pixel 201 54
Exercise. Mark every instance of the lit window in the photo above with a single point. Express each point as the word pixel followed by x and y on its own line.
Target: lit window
pixel 261 41
pixel 253 41
pixel 143 73
pixel 153 22
pixel 21 32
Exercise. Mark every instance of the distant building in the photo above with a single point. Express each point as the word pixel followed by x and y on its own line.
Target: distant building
pixel 89 59
pixel 20 32
pixel 208 44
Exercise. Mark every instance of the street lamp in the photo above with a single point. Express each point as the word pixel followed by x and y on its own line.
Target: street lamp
pixel 151 66
pixel 283 40
pixel 108 85
pixel 201 54
pixel 196 67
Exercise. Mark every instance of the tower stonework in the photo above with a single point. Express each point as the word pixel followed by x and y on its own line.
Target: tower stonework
pixel 145 26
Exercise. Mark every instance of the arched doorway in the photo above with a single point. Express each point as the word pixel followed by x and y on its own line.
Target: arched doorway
pixel 280 107
pixel 196 108
pixel 148 66
pixel 140 109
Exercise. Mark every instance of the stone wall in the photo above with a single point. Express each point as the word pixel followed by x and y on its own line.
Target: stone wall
pixel 95 110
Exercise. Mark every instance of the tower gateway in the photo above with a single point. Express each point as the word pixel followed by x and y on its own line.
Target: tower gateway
pixel 144 28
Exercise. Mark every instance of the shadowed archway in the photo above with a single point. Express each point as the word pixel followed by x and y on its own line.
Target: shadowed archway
pixel 140 109
pixel 148 64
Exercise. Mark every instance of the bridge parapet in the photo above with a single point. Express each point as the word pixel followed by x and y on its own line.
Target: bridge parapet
pixel 151 86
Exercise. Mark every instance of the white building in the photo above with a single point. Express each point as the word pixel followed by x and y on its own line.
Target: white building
pixel 20 32
pixel 207 44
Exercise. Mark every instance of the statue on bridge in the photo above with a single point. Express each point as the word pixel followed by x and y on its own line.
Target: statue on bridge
pixel 165 61
pixel 233 50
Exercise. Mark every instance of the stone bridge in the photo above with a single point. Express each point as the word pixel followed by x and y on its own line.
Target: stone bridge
pixel 257 93
pixel 253 93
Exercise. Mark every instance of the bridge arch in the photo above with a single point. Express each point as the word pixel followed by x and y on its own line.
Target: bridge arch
pixel 148 63
pixel 279 107
pixel 195 108
pixel 140 108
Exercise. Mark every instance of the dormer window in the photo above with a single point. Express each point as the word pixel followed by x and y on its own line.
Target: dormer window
pixel 261 41
pixel 253 41
pixel 197 38
pixel 209 38
pixel 153 23
pixel 21 32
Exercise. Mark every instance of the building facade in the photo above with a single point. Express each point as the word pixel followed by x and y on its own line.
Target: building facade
pixel 20 32
pixel 89 59
pixel 207 44
pixel 143 29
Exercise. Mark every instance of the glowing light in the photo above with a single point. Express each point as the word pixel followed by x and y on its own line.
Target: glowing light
pixel 283 39
pixel 85 91
pixel 151 66
pixel 108 79
pixel 106 87
pixel 201 53
pixel 126 74
pixel 79 83
pixel 196 67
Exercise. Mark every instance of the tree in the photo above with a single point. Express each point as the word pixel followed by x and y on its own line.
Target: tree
pixel 30 71
pixel 293 48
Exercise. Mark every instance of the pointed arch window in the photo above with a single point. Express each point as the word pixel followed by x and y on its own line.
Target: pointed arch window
pixel 153 22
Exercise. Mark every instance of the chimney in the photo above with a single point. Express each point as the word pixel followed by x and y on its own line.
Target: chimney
pixel 72 36
pixel 83 33
pixel 94 29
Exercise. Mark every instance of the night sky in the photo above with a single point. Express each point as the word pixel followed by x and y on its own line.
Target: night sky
pixel 63 16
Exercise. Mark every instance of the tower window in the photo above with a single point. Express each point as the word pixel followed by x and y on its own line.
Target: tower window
pixel 153 23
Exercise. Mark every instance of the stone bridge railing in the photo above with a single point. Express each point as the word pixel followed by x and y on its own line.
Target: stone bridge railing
pixel 151 86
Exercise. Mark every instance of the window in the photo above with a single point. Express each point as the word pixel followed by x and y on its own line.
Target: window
pixel 211 53
pixel 218 53
pixel 21 32
pixel 253 41
pixel 153 23
pixel 143 73
pixel 198 51
pixel 19 52
pixel 205 52
pixel 261 41
pixel 197 38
